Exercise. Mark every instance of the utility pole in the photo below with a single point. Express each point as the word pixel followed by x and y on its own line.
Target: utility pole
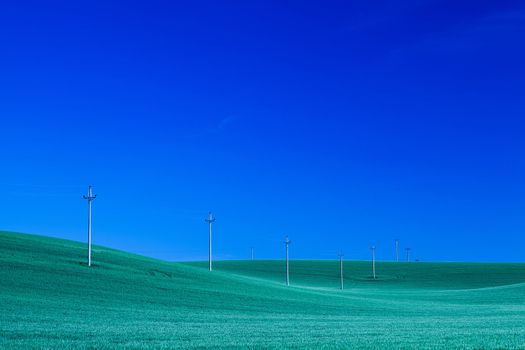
pixel 252 252
pixel 373 261
pixel 287 243
pixel 341 269
pixel 89 198
pixel 210 220
pixel 408 253
pixel 397 250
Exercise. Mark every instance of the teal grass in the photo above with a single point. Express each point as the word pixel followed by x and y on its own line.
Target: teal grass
pixel 50 299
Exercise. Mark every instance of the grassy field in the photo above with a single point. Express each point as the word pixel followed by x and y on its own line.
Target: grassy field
pixel 50 299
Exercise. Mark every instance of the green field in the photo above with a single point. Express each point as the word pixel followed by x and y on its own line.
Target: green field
pixel 49 298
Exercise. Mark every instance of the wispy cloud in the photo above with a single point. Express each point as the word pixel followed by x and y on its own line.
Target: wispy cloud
pixel 223 123
pixel 216 128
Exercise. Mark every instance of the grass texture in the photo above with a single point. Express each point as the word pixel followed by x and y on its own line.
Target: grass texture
pixel 50 299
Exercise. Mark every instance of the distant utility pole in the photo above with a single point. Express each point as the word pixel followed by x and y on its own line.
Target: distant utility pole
pixel 373 261
pixel 252 252
pixel 397 250
pixel 89 198
pixel 408 253
pixel 210 220
pixel 341 269
pixel 287 243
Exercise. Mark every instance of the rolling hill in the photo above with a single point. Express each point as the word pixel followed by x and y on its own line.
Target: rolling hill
pixel 50 299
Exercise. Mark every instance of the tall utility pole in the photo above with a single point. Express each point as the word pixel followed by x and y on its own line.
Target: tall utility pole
pixel 408 253
pixel 287 243
pixel 89 198
pixel 373 261
pixel 252 252
pixel 210 220
pixel 341 269
pixel 397 250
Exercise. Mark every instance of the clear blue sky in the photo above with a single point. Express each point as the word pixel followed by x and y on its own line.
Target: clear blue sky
pixel 340 124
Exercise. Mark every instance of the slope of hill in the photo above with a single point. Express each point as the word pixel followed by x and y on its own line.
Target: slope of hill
pixel 395 276
pixel 50 299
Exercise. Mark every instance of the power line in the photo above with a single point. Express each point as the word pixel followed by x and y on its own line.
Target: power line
pixel 89 198
pixel 397 250
pixel 341 269
pixel 210 220
pixel 373 261
pixel 287 243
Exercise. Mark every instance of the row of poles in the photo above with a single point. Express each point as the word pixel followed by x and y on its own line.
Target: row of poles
pixel 211 219
pixel 373 248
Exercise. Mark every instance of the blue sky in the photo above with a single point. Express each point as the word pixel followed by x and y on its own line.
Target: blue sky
pixel 341 125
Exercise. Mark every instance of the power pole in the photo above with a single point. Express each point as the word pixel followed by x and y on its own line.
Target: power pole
pixel 252 252
pixel 408 253
pixel 373 261
pixel 397 250
pixel 210 220
pixel 89 198
pixel 341 269
pixel 287 243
